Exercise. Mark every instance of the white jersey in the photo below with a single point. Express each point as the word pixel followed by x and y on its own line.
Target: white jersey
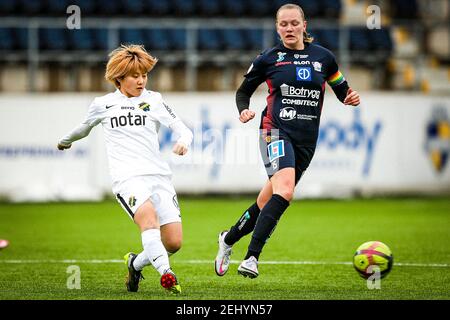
pixel 130 127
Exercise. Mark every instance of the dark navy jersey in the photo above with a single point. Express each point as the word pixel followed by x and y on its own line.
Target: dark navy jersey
pixel 296 81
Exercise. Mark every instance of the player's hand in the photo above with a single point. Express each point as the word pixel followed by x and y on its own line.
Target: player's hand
pixel 246 115
pixel 62 146
pixel 352 98
pixel 180 149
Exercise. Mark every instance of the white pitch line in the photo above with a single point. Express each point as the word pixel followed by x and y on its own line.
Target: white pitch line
pixel 400 264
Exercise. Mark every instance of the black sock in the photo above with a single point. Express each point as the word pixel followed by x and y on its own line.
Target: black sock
pixel 244 226
pixel 266 223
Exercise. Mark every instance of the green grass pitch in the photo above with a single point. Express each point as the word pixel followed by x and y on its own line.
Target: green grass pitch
pixel 308 256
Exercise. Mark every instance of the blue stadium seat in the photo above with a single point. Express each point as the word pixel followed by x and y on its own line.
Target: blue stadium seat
pixel 87 7
pixel 380 39
pixel 254 38
pixel 209 39
pixel 311 9
pixel 234 8
pixel 57 7
pixel 330 38
pixel 81 39
pixel 8 7
pixel 101 39
pixel 158 8
pixel 210 8
pixel 7 37
pixel 157 39
pixel 178 39
pixel 233 39
pixel 260 8
pixel 109 8
pixel 185 8
pixel 131 36
pixel 31 8
pixel 359 39
pixel 134 7
pixel 331 8
pixel 53 39
pixel 21 37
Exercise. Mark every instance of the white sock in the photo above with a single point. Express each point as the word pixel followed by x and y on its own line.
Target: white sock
pixel 155 251
pixel 141 261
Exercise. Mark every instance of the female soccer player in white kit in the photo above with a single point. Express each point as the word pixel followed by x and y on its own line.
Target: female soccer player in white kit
pixel 131 117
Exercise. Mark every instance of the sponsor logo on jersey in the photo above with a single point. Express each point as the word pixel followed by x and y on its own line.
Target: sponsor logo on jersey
pixel 283 63
pixel 437 144
pixel 289 91
pixel 302 63
pixel 317 66
pixel 132 201
pixel 288 113
pixel 175 202
pixel 281 56
pixel 128 120
pixel 144 106
pixel 126 108
pixel 300 56
pixel 107 107
pixel 275 150
pixel 169 110
pixel 303 73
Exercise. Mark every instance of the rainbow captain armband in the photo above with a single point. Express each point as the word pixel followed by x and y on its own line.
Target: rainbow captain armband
pixel 336 79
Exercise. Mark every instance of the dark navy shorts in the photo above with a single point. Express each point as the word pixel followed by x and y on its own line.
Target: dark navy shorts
pixel 279 152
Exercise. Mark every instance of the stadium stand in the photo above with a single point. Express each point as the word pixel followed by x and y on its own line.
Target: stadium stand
pixel 191 33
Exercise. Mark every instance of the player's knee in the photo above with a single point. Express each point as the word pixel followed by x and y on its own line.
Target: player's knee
pixel 287 193
pixel 173 245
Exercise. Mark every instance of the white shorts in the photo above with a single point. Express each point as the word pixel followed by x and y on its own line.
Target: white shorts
pixel 133 192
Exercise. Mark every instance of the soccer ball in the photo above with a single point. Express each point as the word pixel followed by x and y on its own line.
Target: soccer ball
pixel 370 255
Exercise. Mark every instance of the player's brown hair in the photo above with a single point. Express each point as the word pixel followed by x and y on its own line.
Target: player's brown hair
pixel 306 36
pixel 126 60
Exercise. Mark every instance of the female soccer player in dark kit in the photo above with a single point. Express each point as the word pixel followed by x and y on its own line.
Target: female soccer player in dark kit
pixel 295 71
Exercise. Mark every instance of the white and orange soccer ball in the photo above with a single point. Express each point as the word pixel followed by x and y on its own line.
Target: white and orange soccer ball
pixel 373 254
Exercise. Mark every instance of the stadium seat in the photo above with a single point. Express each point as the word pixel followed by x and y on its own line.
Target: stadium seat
pixel 157 39
pixel 131 36
pixel 254 39
pixel 330 38
pixel 8 7
pixel 234 8
pixel 331 9
pixel 81 39
pixel 260 8
pixel 404 9
pixel 56 7
pixel 184 8
pixel 21 38
pixel 109 8
pixel 380 39
pixel 359 40
pixel 53 39
pixel 87 7
pixel 178 39
pixel 7 37
pixel 30 8
pixel 209 8
pixel 312 9
pixel 101 39
pixel 209 39
pixel 158 8
pixel 133 7
pixel 233 39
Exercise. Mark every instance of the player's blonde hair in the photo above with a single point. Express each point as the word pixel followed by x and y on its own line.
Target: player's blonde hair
pixel 126 60
pixel 306 36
